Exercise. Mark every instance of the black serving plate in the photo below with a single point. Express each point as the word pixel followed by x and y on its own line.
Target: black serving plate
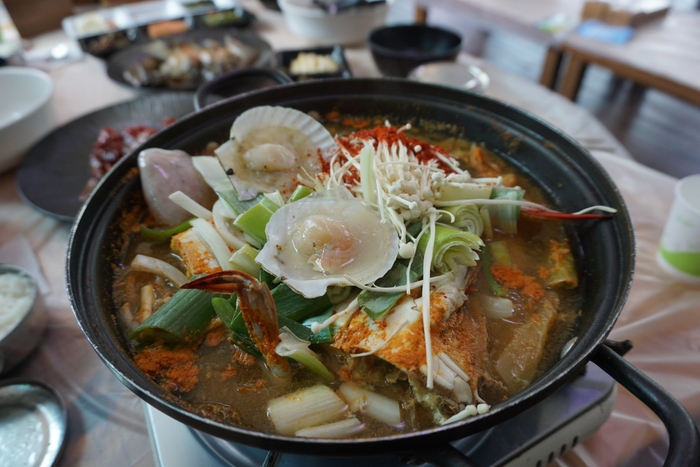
pixel 124 59
pixel 284 60
pixel 54 172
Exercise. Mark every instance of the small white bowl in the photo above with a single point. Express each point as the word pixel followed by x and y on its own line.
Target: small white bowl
pixel 18 337
pixel 25 114
pixel 350 26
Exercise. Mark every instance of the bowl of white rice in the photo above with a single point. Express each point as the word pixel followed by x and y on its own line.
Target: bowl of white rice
pixel 22 316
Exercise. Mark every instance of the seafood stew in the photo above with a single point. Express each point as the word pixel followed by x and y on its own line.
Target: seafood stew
pixel 343 330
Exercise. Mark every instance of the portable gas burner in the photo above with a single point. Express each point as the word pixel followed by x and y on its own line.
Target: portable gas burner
pixel 533 438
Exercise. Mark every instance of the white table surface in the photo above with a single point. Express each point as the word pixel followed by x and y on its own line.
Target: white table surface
pixel 107 426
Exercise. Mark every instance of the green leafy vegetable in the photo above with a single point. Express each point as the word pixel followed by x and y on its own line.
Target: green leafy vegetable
pixel 225 310
pixel 289 305
pixel 325 336
pixel 268 278
pixel 377 304
pixel 153 235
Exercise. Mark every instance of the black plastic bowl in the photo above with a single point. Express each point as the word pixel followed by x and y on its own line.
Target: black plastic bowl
pixel 399 49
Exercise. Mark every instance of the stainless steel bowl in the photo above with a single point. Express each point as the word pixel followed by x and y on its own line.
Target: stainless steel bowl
pixel 26 333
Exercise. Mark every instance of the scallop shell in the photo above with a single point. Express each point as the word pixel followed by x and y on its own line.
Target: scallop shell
pixel 375 245
pixel 270 147
pixel 283 116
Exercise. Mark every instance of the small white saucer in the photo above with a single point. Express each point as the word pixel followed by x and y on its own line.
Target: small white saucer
pixel 465 77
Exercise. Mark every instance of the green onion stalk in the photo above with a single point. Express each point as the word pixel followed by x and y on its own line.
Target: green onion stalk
pixel 182 318
pixel 154 235
pixel 505 217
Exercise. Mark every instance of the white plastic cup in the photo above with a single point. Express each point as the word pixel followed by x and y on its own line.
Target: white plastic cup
pixel 679 249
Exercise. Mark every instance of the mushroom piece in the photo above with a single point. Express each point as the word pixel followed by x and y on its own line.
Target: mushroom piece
pixel 164 172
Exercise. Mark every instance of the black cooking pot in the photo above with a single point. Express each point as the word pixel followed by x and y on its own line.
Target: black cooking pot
pixel 570 177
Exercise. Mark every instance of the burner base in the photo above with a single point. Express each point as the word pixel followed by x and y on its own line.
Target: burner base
pixel 533 438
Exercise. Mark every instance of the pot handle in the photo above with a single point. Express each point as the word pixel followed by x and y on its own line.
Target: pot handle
pixel 684 440
pixel 234 79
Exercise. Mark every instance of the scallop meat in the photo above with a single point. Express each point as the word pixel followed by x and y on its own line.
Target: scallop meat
pixel 323 239
pixel 270 147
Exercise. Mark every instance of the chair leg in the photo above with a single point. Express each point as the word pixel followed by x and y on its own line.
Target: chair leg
pixel 550 69
pixel 573 76
pixel 421 14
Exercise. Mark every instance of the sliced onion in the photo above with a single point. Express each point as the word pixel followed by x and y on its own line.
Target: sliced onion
pixel 225 229
pixel 213 241
pixel 213 173
pixel 156 266
pixel 495 307
pixel 293 347
pixel 190 205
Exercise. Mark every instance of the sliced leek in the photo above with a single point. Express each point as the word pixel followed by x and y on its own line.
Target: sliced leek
pixel 305 408
pixel 181 318
pixel 236 203
pixel 254 221
pixel 375 405
pixel 339 429
pixel 244 260
pixel 505 217
pixel 452 248
pixel 300 192
pixel 466 217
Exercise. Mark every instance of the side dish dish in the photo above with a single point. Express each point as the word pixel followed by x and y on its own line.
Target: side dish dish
pixel 187 64
pixel 380 281
pixel 312 63
pixel 111 145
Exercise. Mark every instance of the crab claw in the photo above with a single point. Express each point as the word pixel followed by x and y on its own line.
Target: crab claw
pixel 257 308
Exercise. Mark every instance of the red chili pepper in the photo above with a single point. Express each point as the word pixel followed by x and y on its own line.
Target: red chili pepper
pixel 562 216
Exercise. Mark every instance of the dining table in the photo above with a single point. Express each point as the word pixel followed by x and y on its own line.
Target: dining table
pixel 106 422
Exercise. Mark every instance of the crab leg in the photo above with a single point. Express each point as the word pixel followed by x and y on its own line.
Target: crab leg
pixel 257 308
